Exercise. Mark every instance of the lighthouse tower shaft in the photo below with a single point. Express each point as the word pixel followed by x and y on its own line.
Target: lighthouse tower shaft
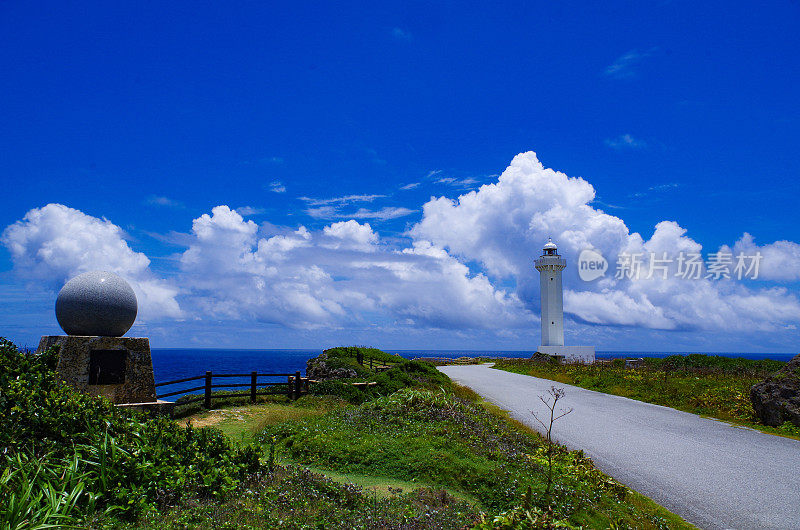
pixel 550 265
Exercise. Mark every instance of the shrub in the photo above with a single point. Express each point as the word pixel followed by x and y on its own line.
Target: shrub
pixel 44 492
pixel 403 374
pixel 341 389
pixel 123 462
pixel 352 352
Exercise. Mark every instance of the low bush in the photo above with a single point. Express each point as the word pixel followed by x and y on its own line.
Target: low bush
pixel 44 492
pixel 352 352
pixel 342 389
pixel 118 461
pixel 402 374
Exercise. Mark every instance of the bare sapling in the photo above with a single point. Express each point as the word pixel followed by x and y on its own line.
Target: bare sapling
pixel 553 396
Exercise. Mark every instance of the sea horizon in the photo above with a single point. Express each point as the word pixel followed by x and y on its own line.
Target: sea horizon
pixel 175 363
pixel 453 350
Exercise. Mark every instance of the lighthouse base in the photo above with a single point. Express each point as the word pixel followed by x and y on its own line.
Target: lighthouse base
pixel 570 354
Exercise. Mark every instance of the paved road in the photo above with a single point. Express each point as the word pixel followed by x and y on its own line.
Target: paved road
pixel 714 475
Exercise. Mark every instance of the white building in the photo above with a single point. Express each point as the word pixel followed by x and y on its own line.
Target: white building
pixel 550 265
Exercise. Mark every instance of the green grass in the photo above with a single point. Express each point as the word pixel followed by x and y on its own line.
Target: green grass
pixel 708 385
pixel 387 487
pixel 402 374
pixel 351 352
pixel 239 398
pixel 241 423
pixel 438 439
pixel 347 357
pixel 295 497
pixel 406 503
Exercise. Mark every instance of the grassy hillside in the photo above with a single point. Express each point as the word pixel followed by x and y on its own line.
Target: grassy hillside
pixel 352 352
pixel 702 384
pixel 435 437
pixel 418 457
pixel 401 373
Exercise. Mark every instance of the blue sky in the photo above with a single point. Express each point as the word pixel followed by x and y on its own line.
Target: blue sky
pixel 307 115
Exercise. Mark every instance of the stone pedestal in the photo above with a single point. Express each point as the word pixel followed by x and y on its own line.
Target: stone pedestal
pixel 117 368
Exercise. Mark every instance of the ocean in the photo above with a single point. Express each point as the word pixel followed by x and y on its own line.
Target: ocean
pixel 171 364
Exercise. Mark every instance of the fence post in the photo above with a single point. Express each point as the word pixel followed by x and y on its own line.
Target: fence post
pixel 360 358
pixel 370 363
pixel 297 387
pixel 208 390
pixel 289 386
pixel 253 376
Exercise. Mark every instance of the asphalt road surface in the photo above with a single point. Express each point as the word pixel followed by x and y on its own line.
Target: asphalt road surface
pixel 712 474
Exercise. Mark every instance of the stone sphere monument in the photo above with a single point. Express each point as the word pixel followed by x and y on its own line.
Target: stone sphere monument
pixel 96 309
pixel 96 303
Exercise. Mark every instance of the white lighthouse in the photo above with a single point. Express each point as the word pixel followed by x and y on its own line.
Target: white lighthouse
pixel 550 264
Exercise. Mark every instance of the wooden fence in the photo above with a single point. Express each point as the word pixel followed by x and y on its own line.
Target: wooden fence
pixel 294 387
pixel 374 363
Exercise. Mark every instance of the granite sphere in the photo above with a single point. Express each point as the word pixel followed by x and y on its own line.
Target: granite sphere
pixel 96 303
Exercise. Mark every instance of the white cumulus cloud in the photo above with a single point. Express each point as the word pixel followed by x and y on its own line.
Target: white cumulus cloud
pixel 352 234
pixel 466 265
pixel 779 260
pixel 55 243
pixel 503 225
pixel 336 276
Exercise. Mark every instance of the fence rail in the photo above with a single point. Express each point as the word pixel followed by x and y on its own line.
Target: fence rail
pixel 295 385
pixel 375 363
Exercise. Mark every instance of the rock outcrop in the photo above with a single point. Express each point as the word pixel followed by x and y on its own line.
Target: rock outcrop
pixel 321 368
pixel 543 358
pixel 777 399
